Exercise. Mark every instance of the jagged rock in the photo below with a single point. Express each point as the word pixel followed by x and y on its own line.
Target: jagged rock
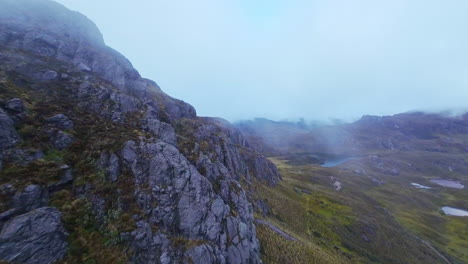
pixel 162 131
pixel 49 75
pixel 262 207
pixel 8 214
pixel 7 189
pixel 111 164
pixel 187 203
pixel 226 145
pixel 176 201
pixel 15 105
pixel 32 197
pixel 22 157
pixel 201 254
pixel 34 238
pixel 8 135
pixel 150 247
pixel 61 140
pixel 65 179
pixel 60 121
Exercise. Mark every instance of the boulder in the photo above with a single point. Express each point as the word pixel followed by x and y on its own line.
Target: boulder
pixel 8 135
pixel 32 197
pixel 36 237
pixel 61 140
pixel 161 130
pixel 15 105
pixel 60 121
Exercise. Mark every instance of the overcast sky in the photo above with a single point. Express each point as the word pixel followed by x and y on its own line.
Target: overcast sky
pixel 286 59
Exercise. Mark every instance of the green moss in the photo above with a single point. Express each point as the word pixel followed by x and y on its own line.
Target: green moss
pixel 41 172
pixel 54 155
pixel 185 243
pixel 88 243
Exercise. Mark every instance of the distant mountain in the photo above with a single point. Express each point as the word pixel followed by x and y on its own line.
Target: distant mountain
pixel 373 191
pixel 415 131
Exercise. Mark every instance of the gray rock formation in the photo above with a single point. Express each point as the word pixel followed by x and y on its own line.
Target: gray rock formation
pixel 187 206
pixel 111 164
pixel 60 139
pixel 181 172
pixel 34 238
pixel 60 121
pixel 32 197
pixel 15 105
pixel 161 130
pixel 8 135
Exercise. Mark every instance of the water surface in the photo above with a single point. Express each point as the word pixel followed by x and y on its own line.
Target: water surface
pixel 448 183
pixel 419 186
pixel 454 211
pixel 336 162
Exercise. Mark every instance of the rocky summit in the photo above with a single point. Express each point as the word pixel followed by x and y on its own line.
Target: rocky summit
pixel 99 165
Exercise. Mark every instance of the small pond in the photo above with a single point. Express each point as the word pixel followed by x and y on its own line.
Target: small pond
pixel 454 211
pixel 336 162
pixel 448 183
pixel 419 186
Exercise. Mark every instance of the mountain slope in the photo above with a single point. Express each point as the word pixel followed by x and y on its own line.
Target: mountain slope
pixel 124 172
pixel 370 189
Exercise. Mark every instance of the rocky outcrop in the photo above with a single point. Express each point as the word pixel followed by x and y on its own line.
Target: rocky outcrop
pixel 32 197
pixel 60 121
pixel 48 29
pixel 138 153
pixel 8 135
pixel 222 149
pixel 36 237
pixel 183 203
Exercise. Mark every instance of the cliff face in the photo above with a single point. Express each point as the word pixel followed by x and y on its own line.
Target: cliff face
pixel 99 164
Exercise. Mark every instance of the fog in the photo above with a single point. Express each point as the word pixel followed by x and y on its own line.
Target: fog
pixel 320 60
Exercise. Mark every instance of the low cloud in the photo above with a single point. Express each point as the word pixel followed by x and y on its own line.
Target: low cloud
pixel 288 59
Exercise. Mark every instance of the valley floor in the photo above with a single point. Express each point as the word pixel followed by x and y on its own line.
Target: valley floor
pixel 355 214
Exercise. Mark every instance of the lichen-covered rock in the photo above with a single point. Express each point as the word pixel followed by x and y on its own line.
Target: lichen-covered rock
pixel 36 237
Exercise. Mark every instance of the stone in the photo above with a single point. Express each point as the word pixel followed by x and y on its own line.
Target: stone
pixel 60 121
pixel 36 237
pixel 186 205
pixel 7 189
pixel 5 216
pixel 61 140
pixel 22 157
pixel 32 197
pixel 8 135
pixel 15 105
pixel 49 75
pixel 111 164
pixel 65 180
pixel 196 199
pixel 162 131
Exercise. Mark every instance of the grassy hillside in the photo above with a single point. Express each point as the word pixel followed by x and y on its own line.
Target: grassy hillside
pixel 364 222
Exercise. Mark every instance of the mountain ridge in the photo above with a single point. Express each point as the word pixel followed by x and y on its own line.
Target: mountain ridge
pixel 133 174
